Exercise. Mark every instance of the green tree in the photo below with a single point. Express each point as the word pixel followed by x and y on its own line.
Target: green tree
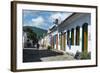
pixel 30 34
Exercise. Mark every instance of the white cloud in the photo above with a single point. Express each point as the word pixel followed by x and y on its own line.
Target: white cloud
pixel 59 16
pixel 38 21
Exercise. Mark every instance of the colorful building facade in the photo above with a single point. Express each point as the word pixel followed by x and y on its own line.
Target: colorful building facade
pixel 73 34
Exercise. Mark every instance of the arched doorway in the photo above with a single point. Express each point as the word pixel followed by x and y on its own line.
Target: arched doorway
pixel 85 37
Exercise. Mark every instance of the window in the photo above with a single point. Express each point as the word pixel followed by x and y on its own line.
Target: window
pixel 72 36
pixel 77 35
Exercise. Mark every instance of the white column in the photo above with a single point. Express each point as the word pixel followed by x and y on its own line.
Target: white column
pixel 58 41
pixel 80 39
pixel 74 36
pixel 66 41
pixel 89 38
pixel 70 33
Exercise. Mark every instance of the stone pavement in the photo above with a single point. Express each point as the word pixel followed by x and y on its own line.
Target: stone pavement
pixel 35 55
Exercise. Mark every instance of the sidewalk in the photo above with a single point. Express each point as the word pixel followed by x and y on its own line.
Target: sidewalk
pixel 58 58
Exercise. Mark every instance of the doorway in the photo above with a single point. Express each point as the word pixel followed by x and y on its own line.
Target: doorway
pixel 85 37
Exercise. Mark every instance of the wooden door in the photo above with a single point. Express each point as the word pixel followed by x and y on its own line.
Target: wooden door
pixel 85 38
pixel 57 41
pixel 64 41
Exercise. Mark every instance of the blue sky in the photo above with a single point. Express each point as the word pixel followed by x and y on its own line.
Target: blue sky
pixel 42 19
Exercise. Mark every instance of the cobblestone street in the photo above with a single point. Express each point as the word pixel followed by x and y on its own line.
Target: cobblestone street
pixel 34 55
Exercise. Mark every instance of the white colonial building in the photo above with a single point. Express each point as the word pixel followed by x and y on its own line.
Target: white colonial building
pixel 44 42
pixel 73 34
pixel 24 39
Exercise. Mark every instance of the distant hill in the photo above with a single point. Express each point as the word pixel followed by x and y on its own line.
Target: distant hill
pixel 40 32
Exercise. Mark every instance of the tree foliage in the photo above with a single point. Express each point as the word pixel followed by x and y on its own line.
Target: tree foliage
pixel 30 34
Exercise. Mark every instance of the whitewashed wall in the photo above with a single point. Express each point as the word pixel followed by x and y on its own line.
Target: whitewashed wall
pixel 83 18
